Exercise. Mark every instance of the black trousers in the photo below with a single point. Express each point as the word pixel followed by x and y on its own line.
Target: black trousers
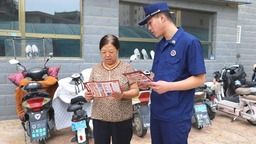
pixel 120 132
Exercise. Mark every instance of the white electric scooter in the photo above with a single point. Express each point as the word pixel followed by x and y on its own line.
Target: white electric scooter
pixel 245 107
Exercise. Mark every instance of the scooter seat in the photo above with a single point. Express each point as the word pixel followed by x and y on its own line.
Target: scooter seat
pixel 36 94
pixel 250 84
pixel 243 91
pixel 77 100
pixel 74 108
pixel 199 95
pixel 144 96
pixel 250 97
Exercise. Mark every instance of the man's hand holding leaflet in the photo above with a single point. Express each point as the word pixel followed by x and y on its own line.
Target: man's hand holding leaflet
pixel 141 78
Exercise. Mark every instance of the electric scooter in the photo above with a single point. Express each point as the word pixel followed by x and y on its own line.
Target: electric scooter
pixel 141 113
pixel 37 104
pixel 241 104
pixel 209 100
pixel 245 108
pixel 141 109
pixel 200 116
pixel 80 119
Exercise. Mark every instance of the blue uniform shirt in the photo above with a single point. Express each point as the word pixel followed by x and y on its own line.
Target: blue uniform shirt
pixel 176 59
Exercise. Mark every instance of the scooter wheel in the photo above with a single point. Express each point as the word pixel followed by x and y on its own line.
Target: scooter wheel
pixel 41 142
pixel 138 127
pixel 200 127
pixel 250 121
pixel 210 112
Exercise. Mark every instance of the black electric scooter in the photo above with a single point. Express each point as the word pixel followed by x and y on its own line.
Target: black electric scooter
pixel 200 116
pixel 37 104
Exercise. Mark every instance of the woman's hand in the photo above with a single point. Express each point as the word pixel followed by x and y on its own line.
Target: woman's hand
pixel 88 96
pixel 117 95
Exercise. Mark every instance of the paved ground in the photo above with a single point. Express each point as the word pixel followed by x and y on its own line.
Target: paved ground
pixel 222 131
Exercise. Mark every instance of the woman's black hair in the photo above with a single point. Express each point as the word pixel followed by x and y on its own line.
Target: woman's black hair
pixel 109 39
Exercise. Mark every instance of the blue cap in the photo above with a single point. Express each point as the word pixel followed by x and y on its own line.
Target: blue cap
pixel 152 10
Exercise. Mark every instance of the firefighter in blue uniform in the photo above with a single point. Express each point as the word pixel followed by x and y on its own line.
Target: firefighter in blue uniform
pixel 178 68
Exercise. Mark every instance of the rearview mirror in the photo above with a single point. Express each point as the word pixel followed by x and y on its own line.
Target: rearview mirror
pixel 50 55
pixel 13 61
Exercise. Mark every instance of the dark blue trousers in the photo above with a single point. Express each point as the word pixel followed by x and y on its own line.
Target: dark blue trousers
pixel 163 132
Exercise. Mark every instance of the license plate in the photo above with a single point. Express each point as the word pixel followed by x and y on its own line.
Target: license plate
pixel 38 129
pixel 202 115
pixel 78 125
pixel 200 108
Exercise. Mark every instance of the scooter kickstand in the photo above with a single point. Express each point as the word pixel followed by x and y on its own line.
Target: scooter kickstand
pixel 234 119
pixel 74 139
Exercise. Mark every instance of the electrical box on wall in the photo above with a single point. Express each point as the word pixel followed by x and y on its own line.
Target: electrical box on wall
pixel 238 34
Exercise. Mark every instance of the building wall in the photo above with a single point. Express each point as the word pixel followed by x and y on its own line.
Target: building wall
pixel 224 30
pixel 99 18
pixel 247 48
pixel 102 17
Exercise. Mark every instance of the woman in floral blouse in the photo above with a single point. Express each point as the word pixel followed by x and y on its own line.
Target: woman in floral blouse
pixel 112 115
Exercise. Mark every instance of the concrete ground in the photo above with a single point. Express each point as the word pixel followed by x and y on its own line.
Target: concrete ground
pixel 222 131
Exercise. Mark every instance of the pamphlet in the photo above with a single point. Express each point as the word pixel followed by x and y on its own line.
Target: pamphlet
pixel 103 88
pixel 138 76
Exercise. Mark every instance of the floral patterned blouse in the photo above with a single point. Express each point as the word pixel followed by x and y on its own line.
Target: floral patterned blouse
pixel 107 108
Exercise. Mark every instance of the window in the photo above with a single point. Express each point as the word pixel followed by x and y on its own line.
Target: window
pixel 8 21
pixel 59 20
pixel 132 36
pixel 200 25
pixel 9 15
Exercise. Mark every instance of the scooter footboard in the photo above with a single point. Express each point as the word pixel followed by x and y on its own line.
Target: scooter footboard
pixel 248 116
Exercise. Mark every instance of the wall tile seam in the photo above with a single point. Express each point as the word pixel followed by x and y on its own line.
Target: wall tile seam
pixel 247 12
pixel 105 27
pixel 101 17
pixel 224 23
pixel 227 25
pixel 246 24
pixel 100 6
